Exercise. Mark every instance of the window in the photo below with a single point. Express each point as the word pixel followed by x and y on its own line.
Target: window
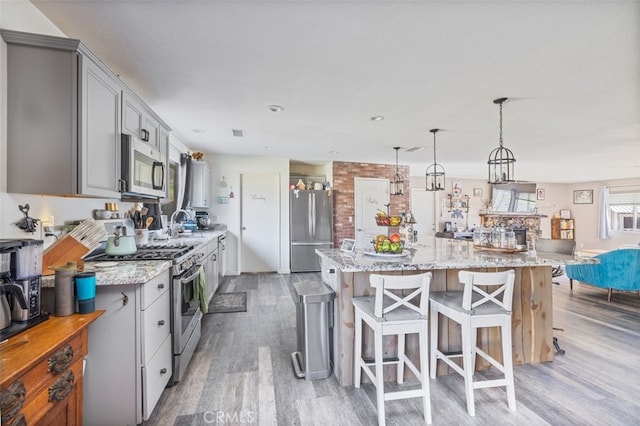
pixel 624 209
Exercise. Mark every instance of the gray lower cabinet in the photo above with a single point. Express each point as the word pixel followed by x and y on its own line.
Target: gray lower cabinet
pixel 211 269
pixel 130 355
pixel 63 118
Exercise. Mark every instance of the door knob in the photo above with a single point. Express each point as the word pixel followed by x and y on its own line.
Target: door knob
pixel 244 228
pixel 359 229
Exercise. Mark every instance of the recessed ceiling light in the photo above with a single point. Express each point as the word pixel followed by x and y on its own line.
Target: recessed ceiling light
pixel 268 147
pixel 197 130
pixel 333 152
pixel 275 108
pixel 377 118
pixel 239 133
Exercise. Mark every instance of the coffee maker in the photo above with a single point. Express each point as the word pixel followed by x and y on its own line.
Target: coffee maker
pixel 21 281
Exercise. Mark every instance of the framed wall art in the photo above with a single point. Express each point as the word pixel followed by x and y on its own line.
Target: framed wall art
pixel 540 194
pixel 477 192
pixel 583 196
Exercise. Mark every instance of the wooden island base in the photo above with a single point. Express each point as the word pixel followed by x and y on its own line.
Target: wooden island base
pixel 532 319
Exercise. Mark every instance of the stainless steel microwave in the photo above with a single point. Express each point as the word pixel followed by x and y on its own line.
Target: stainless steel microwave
pixel 143 168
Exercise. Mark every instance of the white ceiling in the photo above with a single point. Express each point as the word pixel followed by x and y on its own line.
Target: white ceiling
pixel 571 69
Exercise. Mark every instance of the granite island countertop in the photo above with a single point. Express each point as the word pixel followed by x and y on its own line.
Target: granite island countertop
pixel 438 253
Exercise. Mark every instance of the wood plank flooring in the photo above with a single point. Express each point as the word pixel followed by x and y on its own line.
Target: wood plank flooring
pixel 241 372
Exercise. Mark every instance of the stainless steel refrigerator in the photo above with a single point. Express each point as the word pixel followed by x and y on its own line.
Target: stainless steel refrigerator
pixel 311 218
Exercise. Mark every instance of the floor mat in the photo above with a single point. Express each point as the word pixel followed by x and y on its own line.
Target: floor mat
pixel 228 302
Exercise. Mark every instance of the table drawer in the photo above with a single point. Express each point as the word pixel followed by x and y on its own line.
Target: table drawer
pixel 20 394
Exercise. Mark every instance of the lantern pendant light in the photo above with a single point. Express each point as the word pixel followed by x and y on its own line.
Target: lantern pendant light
pixel 501 159
pixel 397 184
pixel 435 172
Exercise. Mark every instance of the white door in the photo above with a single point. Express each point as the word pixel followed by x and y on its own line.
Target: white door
pixel 423 208
pixel 371 195
pixel 260 223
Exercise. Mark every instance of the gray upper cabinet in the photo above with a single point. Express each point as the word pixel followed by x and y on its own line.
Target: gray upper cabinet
pixel 63 118
pixel 66 112
pixel 200 184
pixel 138 120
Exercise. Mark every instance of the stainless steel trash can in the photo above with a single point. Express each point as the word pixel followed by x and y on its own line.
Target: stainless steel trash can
pixel 314 324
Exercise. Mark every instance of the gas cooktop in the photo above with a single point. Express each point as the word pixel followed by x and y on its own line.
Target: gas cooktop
pixel 145 253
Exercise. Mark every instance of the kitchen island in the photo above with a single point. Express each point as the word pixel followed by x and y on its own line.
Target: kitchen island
pixel 532 315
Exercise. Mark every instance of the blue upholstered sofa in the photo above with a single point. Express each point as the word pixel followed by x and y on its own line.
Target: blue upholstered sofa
pixel 618 270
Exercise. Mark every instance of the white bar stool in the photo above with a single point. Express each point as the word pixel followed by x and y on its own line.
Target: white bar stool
pixel 474 308
pixel 390 314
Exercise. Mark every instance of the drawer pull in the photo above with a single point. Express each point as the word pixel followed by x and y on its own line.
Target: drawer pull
pixel 18 421
pixel 62 387
pixel 160 286
pixel 163 371
pixel 161 322
pixel 125 299
pixel 12 400
pixel 61 360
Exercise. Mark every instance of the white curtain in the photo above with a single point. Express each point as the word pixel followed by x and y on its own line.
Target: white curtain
pixel 604 219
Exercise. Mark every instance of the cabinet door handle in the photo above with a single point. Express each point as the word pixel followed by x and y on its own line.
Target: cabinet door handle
pixel 145 135
pixel 163 371
pixel 125 299
pixel 161 322
pixel 62 387
pixel 12 400
pixel 160 286
pixel 61 360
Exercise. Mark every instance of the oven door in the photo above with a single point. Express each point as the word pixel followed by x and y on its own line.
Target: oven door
pixel 186 308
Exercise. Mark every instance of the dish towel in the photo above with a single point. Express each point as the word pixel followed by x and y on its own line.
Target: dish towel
pixel 201 292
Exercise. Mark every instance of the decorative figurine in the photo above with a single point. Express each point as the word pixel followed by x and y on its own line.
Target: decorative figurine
pixel 27 224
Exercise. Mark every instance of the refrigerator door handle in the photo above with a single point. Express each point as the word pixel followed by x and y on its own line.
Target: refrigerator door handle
pixel 313 212
pixel 309 222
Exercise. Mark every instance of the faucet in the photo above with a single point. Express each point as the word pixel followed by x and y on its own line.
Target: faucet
pixel 173 216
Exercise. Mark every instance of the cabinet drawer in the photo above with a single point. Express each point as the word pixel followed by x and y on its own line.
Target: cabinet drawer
pixel 155 326
pixel 155 376
pixel 153 289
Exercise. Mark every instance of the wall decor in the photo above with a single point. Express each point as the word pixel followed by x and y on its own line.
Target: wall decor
pixel 540 194
pixel 477 192
pixel 456 188
pixel 583 196
pixel 565 214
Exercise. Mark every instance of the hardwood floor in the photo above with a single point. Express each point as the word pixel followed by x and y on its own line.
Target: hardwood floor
pixel 241 372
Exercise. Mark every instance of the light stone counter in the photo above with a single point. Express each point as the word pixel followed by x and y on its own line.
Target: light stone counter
pixel 122 273
pixel 441 253
pixel 532 315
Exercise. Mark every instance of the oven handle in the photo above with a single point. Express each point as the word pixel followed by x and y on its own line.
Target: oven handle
pixel 191 277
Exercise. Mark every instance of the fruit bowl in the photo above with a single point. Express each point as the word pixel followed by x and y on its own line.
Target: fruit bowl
pixel 388 220
pixel 388 245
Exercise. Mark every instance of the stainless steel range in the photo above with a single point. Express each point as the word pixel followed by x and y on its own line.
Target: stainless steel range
pixel 186 315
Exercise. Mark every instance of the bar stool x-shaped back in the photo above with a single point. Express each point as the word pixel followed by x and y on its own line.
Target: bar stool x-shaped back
pixel 389 313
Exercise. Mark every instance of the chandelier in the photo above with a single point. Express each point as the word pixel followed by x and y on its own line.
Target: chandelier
pixel 501 159
pixel 397 184
pixel 435 172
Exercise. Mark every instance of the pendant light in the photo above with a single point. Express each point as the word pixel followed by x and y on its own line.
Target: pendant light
pixel 435 172
pixel 397 184
pixel 501 159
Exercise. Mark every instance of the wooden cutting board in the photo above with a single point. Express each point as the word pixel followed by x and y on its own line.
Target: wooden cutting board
pixel 66 249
